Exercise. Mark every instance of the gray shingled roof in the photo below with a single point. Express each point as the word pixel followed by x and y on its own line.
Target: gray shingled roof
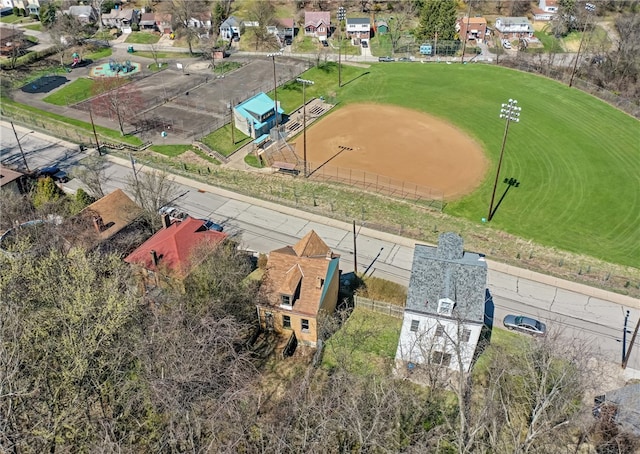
pixel 447 271
pixel 628 401
pixel 358 20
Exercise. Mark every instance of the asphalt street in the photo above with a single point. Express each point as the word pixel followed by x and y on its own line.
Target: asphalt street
pixel 578 313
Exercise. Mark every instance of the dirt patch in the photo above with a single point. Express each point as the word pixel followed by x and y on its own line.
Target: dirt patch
pixel 399 143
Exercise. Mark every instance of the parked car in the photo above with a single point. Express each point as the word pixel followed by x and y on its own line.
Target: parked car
pixel 210 225
pixel 525 325
pixel 175 214
pixel 405 59
pixel 386 59
pixel 506 44
pixel 54 173
pixel 365 44
pixel 324 43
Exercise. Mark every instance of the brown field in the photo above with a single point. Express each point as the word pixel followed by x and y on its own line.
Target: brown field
pixel 399 143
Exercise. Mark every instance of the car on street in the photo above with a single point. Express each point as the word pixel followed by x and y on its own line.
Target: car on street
pixel 386 59
pixel 175 214
pixel 210 225
pixel 506 44
pixel 405 59
pixel 525 324
pixel 54 173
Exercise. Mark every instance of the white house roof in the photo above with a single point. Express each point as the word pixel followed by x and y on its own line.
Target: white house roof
pixel 448 271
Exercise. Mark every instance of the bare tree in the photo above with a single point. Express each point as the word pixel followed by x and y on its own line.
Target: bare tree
pixel 120 101
pixel 404 12
pixel 263 14
pixel 183 11
pixel 93 173
pixel 152 190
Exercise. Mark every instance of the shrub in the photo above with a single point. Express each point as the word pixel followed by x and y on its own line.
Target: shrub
pixel 16 11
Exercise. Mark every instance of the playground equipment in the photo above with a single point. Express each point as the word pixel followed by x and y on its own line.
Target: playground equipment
pixel 117 67
pixel 76 59
pixel 130 49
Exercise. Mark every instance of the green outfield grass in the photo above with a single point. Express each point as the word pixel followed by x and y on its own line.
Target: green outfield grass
pixel 76 91
pixel 576 157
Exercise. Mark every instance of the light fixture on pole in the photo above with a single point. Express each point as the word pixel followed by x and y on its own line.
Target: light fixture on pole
pixel 510 112
pixel 275 84
pixel 24 158
pixel 590 7
pixel 304 83
pixel 342 14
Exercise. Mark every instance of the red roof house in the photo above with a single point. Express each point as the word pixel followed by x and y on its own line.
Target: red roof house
pixel 170 250
pixel 317 23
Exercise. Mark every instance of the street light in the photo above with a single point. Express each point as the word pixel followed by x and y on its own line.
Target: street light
pixel 304 83
pixel 590 7
pixel 24 158
pixel 273 56
pixel 510 112
pixel 342 14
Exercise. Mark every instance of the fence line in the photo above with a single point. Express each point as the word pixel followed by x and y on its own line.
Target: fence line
pixel 379 306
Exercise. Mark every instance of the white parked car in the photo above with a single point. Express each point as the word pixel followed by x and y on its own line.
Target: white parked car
pixel 506 44
pixel 175 214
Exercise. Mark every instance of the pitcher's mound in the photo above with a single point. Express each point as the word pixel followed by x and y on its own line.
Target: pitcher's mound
pixel 399 143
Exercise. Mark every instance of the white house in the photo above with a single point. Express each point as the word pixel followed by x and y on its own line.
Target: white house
pixel 514 27
pixel 445 306
pixel 546 10
pixel 358 29
pixel 230 28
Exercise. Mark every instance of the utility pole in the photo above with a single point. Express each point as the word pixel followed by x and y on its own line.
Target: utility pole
pixel 24 158
pixel 355 251
pixel 304 83
pixel 625 358
pixel 94 130
pixel 590 7
pixel 510 112
pixel 466 32
pixel 233 139
pixel 275 86
pixel 341 16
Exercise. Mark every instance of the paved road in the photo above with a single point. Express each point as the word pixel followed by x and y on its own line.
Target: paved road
pixel 580 313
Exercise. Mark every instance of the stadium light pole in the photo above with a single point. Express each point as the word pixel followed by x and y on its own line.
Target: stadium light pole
pixel 510 112
pixel 341 16
pixel 24 158
pixel 590 7
pixel 304 83
pixel 273 56
pixel 466 34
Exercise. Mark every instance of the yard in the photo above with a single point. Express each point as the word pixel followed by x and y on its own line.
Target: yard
pixel 142 38
pixel 220 140
pixel 366 343
pixel 76 91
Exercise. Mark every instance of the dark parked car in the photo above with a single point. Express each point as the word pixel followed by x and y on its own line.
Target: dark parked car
pixel 324 43
pixel 210 225
pixel 385 59
pixel 365 44
pixel 404 59
pixel 525 325
pixel 55 173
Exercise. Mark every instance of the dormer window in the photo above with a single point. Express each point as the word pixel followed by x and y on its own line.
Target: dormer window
pixel 286 300
pixel 445 306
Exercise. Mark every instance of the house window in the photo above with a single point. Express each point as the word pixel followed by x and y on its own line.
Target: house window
pixel 305 325
pixel 286 322
pixel 466 334
pixel 285 300
pixel 440 358
pixel 445 306
pixel 439 331
pixel 414 325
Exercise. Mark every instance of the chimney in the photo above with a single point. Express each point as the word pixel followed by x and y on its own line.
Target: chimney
pixel 166 221
pixel 154 257
pixel 98 223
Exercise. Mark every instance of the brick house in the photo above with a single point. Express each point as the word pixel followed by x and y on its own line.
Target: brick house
pixel 445 306
pixel 472 28
pixel 300 283
pixel 358 29
pixel 317 24
pixel 168 253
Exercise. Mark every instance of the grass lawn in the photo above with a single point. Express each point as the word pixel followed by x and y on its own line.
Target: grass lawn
pixel 366 343
pixel 142 38
pixel 225 67
pixel 13 19
pixel 76 91
pixel 251 160
pixel 575 156
pixel 501 340
pixel 171 150
pixel 220 140
pixel 304 44
pixel 37 27
pixel 14 108
pixel 97 55
pixel 161 55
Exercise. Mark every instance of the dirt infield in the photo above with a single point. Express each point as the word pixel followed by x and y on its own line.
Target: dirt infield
pixel 396 142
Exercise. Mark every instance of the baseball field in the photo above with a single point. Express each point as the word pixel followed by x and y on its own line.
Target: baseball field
pixel 576 158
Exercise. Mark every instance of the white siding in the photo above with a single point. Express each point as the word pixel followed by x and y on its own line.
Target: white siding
pixel 418 346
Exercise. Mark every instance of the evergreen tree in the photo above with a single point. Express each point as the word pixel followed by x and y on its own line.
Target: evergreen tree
pixel 437 16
